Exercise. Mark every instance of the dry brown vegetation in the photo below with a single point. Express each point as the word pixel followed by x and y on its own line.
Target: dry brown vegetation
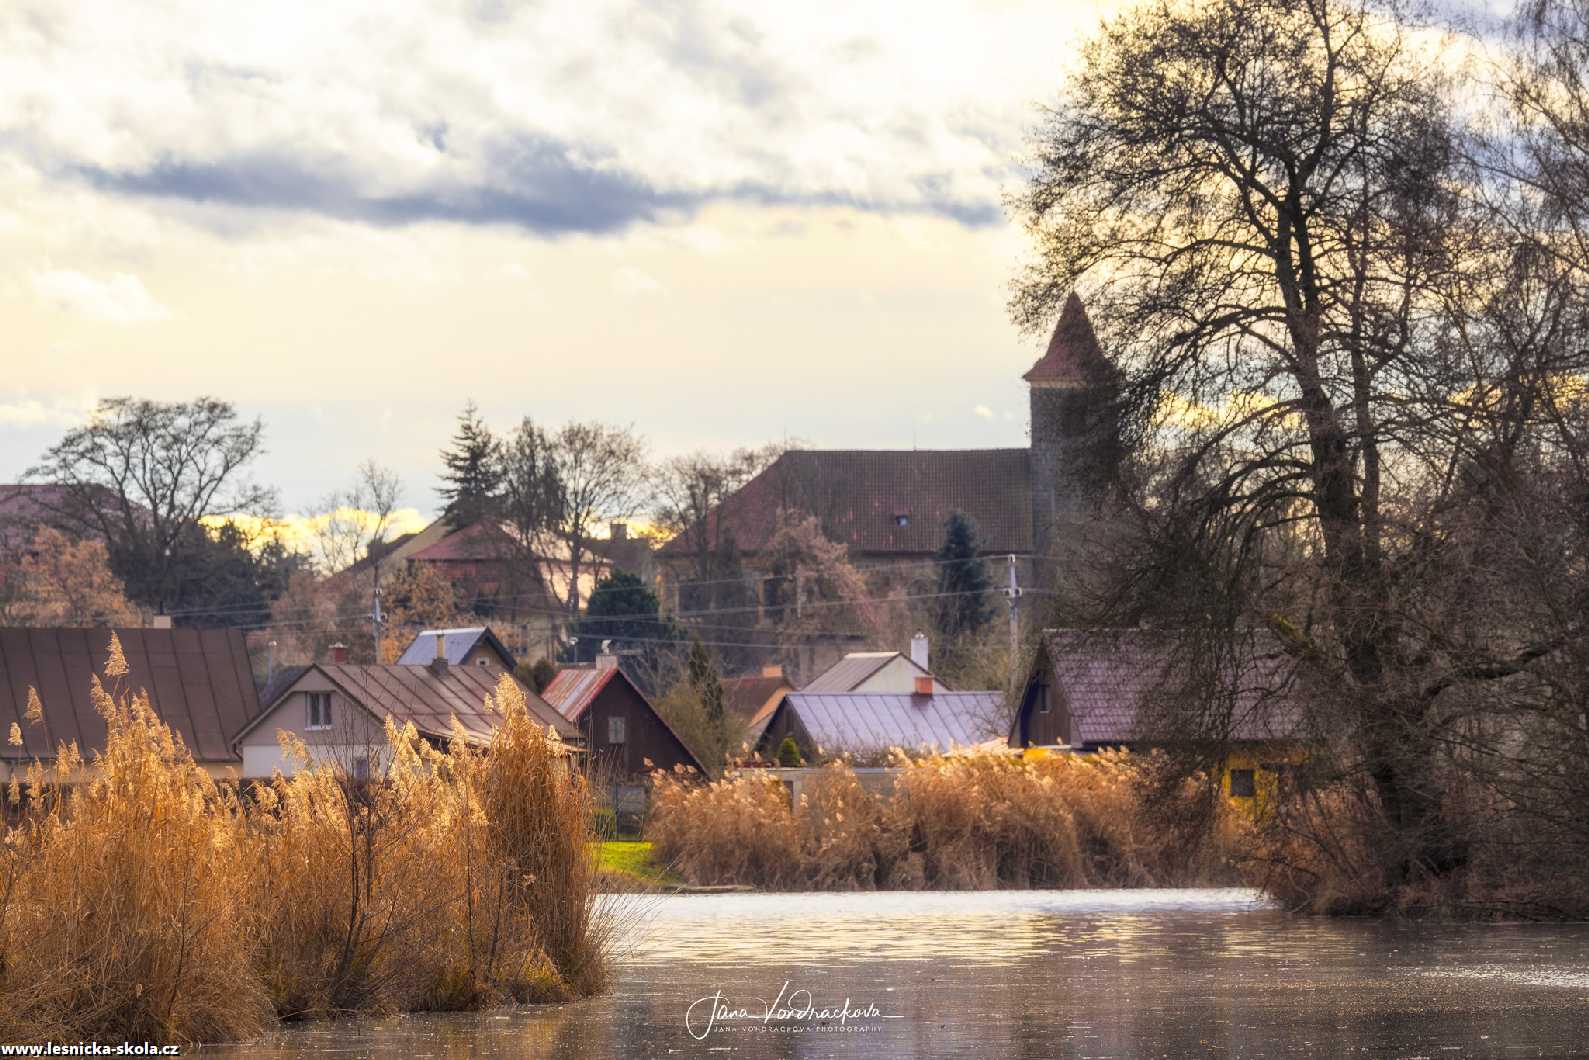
pixel 951 822
pixel 141 900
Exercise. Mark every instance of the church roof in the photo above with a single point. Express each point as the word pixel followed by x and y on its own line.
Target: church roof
pixel 1073 357
pixel 884 500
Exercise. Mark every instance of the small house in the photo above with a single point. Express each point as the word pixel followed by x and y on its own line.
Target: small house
pixel 474 646
pixel 339 710
pixel 891 672
pixel 750 701
pixel 620 726
pixel 1105 688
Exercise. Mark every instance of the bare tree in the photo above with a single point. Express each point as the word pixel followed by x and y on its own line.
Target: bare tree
pixel 352 524
pixel 142 475
pixel 602 477
pixel 1331 354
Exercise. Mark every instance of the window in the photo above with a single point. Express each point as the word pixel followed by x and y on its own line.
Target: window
pixel 1242 785
pixel 482 662
pixel 1043 701
pixel 319 710
pixel 361 767
pixel 615 730
pixel 902 519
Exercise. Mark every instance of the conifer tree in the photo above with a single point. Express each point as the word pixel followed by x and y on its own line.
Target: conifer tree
pixel 472 481
pixel 708 686
pixel 963 583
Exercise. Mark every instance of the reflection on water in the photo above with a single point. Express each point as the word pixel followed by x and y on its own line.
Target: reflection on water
pixel 1031 974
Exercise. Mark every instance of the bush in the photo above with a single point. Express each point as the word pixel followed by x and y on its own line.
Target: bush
pixel 789 753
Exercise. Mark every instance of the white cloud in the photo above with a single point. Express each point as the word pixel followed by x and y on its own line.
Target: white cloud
pixel 22 411
pixel 514 271
pixel 121 299
pixel 631 280
pixel 983 411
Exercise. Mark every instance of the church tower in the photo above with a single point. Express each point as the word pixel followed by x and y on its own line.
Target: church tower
pixel 1075 447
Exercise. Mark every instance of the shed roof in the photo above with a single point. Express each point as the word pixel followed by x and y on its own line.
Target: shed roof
pixel 199 683
pixel 1109 678
pixel 456 645
pixel 430 700
pixel 862 497
pixel 865 722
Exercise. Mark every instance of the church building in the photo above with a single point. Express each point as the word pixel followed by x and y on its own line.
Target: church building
pixel 889 506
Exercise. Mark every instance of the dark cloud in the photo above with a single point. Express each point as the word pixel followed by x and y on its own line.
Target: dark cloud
pixel 535 184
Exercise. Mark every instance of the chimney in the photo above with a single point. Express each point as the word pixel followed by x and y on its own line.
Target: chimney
pixel 772 670
pixel 438 665
pixel 923 684
pixel 618 531
pixel 339 653
pixel 160 622
pixel 918 651
pixel 607 661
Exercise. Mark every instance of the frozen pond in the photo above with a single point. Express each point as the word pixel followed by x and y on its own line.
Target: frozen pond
pixel 1028 974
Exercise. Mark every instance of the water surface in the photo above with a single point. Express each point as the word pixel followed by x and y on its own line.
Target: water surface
pixel 1073 974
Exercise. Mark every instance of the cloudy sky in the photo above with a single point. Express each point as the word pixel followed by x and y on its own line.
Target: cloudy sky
pixel 721 223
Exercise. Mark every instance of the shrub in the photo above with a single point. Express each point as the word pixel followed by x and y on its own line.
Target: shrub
pixel 789 753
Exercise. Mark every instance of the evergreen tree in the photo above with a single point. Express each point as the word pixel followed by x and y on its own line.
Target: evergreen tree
pixel 963 603
pixel 708 686
pixel 472 481
pixel 623 609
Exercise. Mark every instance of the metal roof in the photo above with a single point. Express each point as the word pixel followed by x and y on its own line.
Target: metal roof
pixel 456 643
pixel 860 722
pixel 575 688
pixel 199 683
pixel 431 700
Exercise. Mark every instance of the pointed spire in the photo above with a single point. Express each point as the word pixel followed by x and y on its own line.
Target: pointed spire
pixel 1074 357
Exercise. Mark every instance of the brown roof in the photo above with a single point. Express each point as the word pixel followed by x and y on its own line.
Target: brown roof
pixel 852 671
pixel 1074 357
pixel 860 495
pixel 429 700
pixel 1109 679
pixel 199 683
pixel 745 696
pixel 862 722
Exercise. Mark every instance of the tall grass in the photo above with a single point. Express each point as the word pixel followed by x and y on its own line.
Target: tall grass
pixel 951 822
pixel 140 900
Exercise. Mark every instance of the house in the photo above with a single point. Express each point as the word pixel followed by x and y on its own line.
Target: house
pixel 475 646
pixel 199 683
pixel 750 701
pixel 878 671
pixel 889 507
pixel 621 728
pixel 1104 688
pixel 868 724
pixel 339 710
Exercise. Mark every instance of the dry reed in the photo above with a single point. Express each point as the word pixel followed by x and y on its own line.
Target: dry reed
pixel 140 900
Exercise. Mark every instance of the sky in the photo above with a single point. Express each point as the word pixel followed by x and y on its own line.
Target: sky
pixel 722 224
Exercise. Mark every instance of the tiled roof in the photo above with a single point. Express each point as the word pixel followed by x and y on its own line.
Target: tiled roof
pixel 430 700
pixel 456 644
pixel 866 722
pixel 284 678
pixel 884 501
pixel 199 683
pixel 1073 356
pixel 575 687
pixel 1107 677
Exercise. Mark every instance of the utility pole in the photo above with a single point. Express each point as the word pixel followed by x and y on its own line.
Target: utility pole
pixel 1014 593
pixel 376 613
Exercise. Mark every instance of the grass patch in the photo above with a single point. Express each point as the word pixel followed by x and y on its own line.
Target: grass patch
pixel 633 861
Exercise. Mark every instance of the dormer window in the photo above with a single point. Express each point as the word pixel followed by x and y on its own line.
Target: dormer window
pixel 902 519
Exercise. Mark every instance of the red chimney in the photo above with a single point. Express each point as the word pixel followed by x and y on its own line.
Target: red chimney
pixel 924 684
pixel 339 653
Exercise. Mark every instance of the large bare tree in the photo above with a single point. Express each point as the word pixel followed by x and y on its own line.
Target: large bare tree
pixel 1335 356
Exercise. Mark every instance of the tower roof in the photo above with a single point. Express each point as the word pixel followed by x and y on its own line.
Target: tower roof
pixel 1074 357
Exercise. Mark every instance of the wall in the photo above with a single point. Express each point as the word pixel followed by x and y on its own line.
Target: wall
pixel 899 676
pixel 354 732
pixel 646 737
